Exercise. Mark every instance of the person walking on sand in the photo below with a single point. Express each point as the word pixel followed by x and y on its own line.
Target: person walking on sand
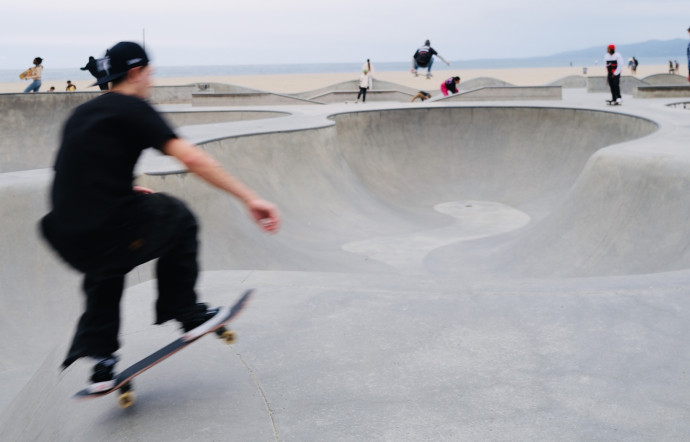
pixel 614 66
pixel 103 226
pixel 450 86
pixel 424 58
pixel 363 86
pixel 35 74
pixel 70 86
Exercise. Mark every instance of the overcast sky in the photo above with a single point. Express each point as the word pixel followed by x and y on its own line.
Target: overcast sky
pixel 221 32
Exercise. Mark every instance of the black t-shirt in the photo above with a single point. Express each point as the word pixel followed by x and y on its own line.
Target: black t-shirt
pixel 424 54
pixel 92 195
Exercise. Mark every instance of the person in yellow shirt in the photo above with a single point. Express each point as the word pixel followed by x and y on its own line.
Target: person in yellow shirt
pixel 70 87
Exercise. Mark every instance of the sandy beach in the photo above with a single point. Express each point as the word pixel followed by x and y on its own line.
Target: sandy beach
pixel 294 83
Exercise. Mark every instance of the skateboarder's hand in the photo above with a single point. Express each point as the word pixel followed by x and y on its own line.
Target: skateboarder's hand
pixel 265 214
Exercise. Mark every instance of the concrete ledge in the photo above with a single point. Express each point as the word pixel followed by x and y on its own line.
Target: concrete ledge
pixel 246 99
pixel 600 84
pixel 193 117
pixel 571 82
pixel 352 85
pixel 350 95
pixel 509 93
pixel 661 91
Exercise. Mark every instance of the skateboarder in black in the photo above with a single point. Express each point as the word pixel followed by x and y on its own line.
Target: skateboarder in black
pixel 92 67
pixel 424 58
pixel 104 226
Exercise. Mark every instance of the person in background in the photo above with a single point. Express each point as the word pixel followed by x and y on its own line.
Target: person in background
pixel 35 74
pixel 369 68
pixel 614 66
pixel 363 86
pixel 92 67
pixel 422 95
pixel 424 58
pixel 70 87
pixel 450 86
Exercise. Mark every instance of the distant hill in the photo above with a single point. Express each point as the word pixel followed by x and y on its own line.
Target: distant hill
pixel 648 52
pixel 648 49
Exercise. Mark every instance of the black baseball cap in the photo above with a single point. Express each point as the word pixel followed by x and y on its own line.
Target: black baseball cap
pixel 119 60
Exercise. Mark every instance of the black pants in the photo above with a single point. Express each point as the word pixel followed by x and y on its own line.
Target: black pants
pixel 615 85
pixel 362 93
pixel 169 234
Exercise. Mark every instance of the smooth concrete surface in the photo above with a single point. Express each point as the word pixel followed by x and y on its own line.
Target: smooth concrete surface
pixel 661 91
pixel 666 80
pixel 246 99
pixel 506 93
pixel 600 84
pixel 376 95
pixel 571 81
pixel 446 271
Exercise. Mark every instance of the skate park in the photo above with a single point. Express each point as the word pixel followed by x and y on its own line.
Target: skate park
pixel 488 268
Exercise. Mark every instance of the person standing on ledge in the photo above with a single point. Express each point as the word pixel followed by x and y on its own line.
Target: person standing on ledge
pixel 104 226
pixel 363 86
pixel 614 66
pixel 367 66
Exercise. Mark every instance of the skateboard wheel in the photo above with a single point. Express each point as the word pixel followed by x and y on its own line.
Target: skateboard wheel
pixel 228 336
pixel 126 399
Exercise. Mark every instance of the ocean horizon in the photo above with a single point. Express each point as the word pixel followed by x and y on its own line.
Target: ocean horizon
pixel 12 75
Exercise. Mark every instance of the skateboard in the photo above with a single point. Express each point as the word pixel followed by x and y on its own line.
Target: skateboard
pixel 613 103
pixel 24 74
pixel 123 381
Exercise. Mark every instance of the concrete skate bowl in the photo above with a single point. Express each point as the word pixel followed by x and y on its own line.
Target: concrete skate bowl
pixel 453 193
pixel 31 124
pixel 500 191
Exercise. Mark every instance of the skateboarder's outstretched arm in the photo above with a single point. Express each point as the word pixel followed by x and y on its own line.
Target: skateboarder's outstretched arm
pixel 197 161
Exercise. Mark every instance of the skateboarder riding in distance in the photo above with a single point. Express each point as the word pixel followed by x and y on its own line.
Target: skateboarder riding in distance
pixel 104 227
pixel 424 58
pixel 614 67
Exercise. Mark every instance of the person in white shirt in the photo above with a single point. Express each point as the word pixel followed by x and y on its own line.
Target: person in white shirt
pixel 614 66
pixel 363 86
pixel 370 68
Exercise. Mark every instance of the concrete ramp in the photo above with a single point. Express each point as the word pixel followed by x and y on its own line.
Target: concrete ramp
pixel 505 93
pixel 665 80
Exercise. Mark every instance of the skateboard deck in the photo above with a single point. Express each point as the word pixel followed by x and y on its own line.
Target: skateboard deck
pixel 123 380
pixel 24 74
pixel 613 103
